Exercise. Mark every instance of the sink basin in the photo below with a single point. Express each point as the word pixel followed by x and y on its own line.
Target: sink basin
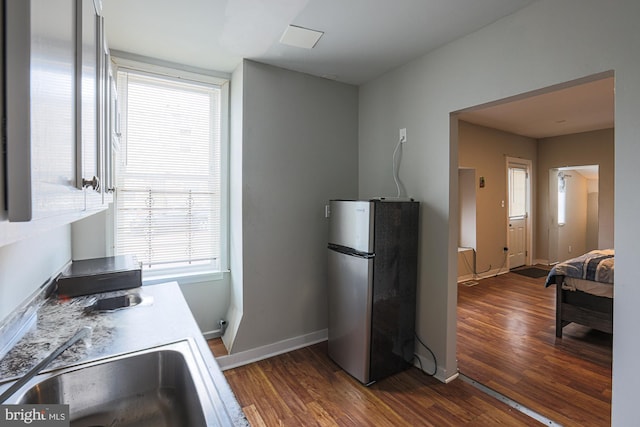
pixel 158 387
pixel 115 303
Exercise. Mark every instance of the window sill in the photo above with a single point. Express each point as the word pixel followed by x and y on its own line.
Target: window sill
pixel 183 278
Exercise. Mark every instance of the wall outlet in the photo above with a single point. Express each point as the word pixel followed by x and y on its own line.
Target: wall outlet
pixel 222 324
pixel 403 135
pixel 327 211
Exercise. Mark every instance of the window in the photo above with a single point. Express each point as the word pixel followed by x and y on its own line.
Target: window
pixel 517 192
pixel 168 201
pixel 562 198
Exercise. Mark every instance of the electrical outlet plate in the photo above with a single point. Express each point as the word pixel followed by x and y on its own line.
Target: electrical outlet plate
pixel 403 135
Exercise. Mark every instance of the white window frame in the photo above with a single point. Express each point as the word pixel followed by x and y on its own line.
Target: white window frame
pixel 191 274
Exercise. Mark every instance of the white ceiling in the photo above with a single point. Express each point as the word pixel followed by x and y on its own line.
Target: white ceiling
pixel 362 38
pixel 590 172
pixel 571 108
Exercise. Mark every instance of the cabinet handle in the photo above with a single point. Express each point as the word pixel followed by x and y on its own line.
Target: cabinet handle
pixel 93 183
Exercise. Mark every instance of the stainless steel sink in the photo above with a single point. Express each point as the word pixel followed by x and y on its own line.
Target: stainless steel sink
pixel 115 303
pixel 164 386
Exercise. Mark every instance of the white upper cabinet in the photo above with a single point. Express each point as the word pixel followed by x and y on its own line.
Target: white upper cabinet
pixel 40 98
pixel 56 113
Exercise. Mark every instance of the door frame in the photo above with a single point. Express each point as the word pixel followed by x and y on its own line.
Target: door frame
pixel 526 164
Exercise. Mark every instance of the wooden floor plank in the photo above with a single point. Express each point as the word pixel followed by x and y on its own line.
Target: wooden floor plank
pixel 253 416
pixel 506 340
pixel 333 398
pixel 217 347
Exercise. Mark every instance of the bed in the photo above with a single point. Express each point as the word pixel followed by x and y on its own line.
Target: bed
pixel 584 291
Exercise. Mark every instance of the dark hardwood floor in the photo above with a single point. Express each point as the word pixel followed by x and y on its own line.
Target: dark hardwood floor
pixel 217 347
pixel 506 341
pixel 305 388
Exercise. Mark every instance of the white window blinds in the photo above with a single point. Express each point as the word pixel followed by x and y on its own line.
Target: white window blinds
pixel 168 203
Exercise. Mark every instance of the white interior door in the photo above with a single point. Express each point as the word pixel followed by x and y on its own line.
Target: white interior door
pixel 517 242
pixel 518 234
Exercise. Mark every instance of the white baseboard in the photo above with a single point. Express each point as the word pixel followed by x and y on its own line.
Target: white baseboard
pixel 465 278
pixel 216 333
pixel 260 353
pixel 492 273
pixel 447 380
pixel 426 365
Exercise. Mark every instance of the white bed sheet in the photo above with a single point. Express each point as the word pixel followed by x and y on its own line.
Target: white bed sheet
pixel 588 286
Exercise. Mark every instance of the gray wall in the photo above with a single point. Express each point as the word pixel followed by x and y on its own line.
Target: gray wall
pixel 572 236
pixel 485 150
pixel 468 203
pixel 29 263
pixel 547 43
pixel 593 227
pixel 299 149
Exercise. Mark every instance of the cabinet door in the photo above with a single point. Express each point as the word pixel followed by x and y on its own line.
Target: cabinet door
pixel 2 116
pixel 88 90
pixel 40 41
pixel 104 104
pixel 111 134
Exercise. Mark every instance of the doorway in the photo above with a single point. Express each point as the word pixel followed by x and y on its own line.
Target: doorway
pixel 545 118
pixel 573 211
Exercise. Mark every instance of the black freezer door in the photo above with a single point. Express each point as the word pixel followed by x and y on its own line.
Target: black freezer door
pixel 395 275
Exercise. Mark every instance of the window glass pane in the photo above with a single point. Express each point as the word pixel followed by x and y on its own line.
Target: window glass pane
pixel 168 200
pixel 517 192
pixel 562 199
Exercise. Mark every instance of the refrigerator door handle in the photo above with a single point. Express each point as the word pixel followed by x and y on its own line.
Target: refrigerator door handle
pixel 350 251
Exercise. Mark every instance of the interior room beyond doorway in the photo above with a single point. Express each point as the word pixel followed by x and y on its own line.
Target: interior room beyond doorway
pixel 553 129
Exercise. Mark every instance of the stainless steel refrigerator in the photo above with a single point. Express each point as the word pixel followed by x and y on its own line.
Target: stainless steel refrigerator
pixel 372 272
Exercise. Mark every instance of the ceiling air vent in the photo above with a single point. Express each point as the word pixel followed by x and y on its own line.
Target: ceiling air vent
pixel 300 37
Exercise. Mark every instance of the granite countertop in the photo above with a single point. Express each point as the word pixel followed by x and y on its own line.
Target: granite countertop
pixel 162 317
